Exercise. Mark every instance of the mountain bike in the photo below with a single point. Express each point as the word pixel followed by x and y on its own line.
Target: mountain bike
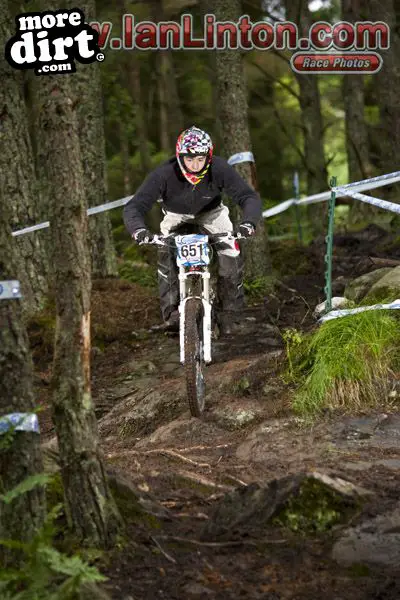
pixel 193 257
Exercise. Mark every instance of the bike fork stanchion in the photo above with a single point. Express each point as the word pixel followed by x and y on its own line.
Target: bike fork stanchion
pixel 207 332
pixel 207 317
pixel 329 247
pixel 181 308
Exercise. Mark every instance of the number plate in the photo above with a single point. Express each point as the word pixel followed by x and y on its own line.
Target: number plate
pixel 192 250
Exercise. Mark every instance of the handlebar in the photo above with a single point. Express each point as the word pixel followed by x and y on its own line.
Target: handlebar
pixel 161 240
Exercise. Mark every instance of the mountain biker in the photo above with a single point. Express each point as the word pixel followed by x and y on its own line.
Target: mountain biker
pixel 190 186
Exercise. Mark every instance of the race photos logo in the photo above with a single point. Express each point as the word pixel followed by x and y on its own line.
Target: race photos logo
pixel 50 42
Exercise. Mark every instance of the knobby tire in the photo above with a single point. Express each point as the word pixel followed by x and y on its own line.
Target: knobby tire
pixel 194 364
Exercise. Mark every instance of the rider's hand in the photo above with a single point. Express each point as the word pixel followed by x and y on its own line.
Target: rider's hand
pixel 142 236
pixel 246 230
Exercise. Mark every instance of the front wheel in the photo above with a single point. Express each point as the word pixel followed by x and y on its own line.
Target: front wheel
pixel 194 363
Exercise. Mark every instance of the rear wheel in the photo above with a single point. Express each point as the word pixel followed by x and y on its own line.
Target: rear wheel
pixel 194 364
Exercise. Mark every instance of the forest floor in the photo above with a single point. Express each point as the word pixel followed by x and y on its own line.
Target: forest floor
pixel 183 467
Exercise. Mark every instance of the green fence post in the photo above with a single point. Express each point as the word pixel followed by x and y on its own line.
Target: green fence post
pixel 296 188
pixel 329 247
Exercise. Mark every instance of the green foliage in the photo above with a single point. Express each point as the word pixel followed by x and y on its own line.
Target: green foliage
pixel 25 486
pixel 315 509
pixel 292 338
pixel 347 363
pixel 144 275
pixel 258 288
pixel 44 572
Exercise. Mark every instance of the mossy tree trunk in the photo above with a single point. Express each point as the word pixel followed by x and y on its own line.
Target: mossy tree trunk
pixel 233 116
pixel 90 508
pixel 18 178
pixel 92 143
pixel 22 457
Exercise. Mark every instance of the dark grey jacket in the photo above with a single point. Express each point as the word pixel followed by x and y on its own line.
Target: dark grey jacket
pixel 180 196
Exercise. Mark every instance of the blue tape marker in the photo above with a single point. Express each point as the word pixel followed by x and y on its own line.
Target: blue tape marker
pixel 21 421
pixel 9 290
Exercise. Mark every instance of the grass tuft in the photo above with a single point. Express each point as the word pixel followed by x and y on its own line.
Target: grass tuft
pixel 348 363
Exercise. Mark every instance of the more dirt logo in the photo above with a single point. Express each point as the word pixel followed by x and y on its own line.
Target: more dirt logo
pixel 50 42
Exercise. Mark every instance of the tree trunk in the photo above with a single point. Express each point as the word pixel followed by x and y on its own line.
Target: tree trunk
pixel 136 92
pixel 92 142
pixel 90 508
pixel 388 85
pixel 312 124
pixel 22 457
pixel 175 115
pixel 233 116
pixel 359 166
pixel 17 172
pixel 171 116
pixel 124 142
pixel 162 104
pixel 357 146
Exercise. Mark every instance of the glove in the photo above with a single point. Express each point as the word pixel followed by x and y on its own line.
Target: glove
pixel 246 229
pixel 142 236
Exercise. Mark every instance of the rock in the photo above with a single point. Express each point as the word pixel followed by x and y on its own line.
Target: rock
pixel 141 412
pixel 170 432
pixel 389 463
pixel 303 502
pixel 135 498
pixel 257 445
pixel 387 286
pixel 337 303
pixel 382 431
pixel 236 417
pixel 358 288
pixel 376 541
pixel 338 285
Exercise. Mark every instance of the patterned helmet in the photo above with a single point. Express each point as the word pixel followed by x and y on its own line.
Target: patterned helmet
pixel 194 142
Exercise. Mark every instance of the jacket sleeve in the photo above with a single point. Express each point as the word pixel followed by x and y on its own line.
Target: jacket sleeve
pixel 140 204
pixel 241 193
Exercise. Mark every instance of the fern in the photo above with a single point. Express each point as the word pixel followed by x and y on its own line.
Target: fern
pixel 46 573
pixel 25 486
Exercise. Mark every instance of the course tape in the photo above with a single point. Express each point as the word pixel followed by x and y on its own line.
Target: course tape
pixel 380 180
pixel 91 211
pixel 21 421
pixel 366 184
pixel 341 192
pixel 391 206
pixel 334 314
pixel 240 157
pixel 10 289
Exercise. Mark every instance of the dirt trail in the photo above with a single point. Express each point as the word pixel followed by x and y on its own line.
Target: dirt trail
pixel 248 434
